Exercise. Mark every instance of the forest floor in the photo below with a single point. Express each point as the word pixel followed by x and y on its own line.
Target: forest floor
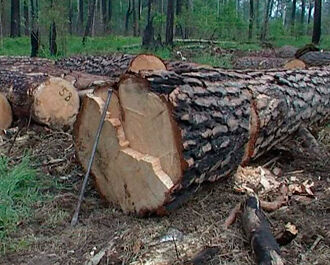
pixel 45 236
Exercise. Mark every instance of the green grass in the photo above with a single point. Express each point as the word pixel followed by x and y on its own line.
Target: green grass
pixel 19 194
pixel 301 41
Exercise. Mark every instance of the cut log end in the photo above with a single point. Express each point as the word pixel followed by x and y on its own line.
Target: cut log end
pixel 131 178
pixel 295 64
pixel 6 116
pixel 56 103
pixel 146 62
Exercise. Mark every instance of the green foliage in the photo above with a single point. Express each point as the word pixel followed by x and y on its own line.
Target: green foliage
pixel 18 193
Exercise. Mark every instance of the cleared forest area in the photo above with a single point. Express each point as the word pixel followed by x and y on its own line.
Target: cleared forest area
pixel 207 122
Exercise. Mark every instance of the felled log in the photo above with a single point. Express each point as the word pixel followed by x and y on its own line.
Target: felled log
pixel 316 58
pixel 167 133
pixel 257 230
pixel 111 65
pixel 48 100
pixel 80 80
pixel 250 62
pixel 6 116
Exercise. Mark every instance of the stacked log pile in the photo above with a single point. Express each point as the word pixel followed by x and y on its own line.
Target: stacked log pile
pixel 167 132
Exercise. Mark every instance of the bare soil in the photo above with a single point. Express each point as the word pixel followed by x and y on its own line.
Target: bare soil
pixel 51 240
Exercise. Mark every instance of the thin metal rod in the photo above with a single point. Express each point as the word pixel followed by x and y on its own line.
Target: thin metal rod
pixel 91 159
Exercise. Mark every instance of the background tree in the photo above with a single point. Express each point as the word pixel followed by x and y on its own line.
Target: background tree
pixel 317 22
pixel 15 22
pixel 169 23
pixel 251 19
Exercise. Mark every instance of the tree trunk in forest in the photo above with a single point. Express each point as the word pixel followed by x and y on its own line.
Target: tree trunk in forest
pixel 1 22
pixel 48 100
pixel 148 39
pixel 52 39
pixel 293 15
pixel 6 115
pixel 89 24
pixel 128 14
pixel 35 38
pixel 135 22
pixel 26 18
pixel 302 17
pixel 317 22
pixel 251 19
pixel 80 15
pixel 257 16
pixel 264 29
pixel 169 23
pixel 310 11
pixel 70 17
pixel 15 21
pixel 210 122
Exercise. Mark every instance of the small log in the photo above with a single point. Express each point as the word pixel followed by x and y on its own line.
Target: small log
pixel 210 121
pixel 258 233
pixel 295 64
pixel 316 58
pixel 146 62
pixel 6 116
pixel 48 100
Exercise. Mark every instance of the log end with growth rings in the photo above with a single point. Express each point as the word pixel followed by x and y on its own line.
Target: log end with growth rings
pixel 146 62
pixel 132 167
pixel 55 103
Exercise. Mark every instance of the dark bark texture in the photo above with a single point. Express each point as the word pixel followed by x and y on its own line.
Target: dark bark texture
pixel 251 20
pixel 169 22
pixel 89 24
pixel 109 65
pixel 213 108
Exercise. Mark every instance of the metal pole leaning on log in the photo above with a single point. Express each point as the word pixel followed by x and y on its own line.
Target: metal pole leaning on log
pixel 90 162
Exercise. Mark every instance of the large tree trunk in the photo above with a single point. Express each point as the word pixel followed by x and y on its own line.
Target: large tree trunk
pixel 48 100
pixel 52 39
pixel 317 22
pixel 15 21
pixel 70 17
pixel 128 14
pixel 209 121
pixel 316 58
pixel 35 38
pixel 169 22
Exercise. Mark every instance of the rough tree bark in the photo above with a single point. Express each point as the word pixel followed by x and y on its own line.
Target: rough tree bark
pixel 169 23
pixel 210 122
pixel 128 14
pixel 70 17
pixel 52 35
pixel 47 100
pixel 310 11
pixel 317 22
pixel 148 39
pixel 15 21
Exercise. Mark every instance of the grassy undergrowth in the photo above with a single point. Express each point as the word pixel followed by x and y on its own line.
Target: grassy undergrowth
pixel 72 45
pixel 20 191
